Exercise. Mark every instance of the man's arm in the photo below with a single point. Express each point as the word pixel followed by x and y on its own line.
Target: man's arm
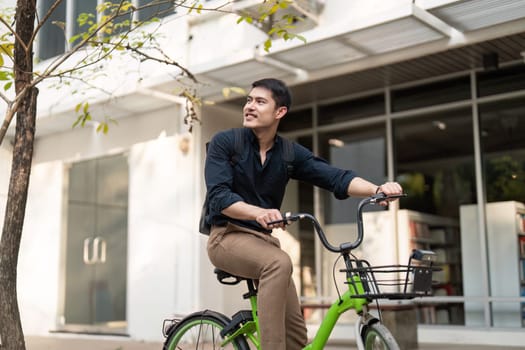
pixel 245 211
pixel 360 187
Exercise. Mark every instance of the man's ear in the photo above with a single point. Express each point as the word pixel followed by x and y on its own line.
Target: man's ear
pixel 281 112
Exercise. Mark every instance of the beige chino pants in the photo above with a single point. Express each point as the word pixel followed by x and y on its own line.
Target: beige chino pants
pixel 251 254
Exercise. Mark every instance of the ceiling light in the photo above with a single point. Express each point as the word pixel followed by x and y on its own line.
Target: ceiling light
pixel 439 124
pixel 336 143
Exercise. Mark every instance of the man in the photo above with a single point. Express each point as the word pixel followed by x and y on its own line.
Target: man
pixel 245 195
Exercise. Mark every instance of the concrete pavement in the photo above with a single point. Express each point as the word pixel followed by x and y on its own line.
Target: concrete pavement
pixel 76 342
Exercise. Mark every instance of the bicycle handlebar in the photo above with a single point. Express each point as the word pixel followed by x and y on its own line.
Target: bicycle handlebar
pixel 347 246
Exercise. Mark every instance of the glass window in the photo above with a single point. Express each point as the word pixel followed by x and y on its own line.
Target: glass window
pixel 360 149
pixel 80 7
pixel 431 94
pixel 503 145
pixel 434 159
pixel 52 39
pixel 503 153
pixel 501 80
pixel 163 9
pixel 351 110
pixel 295 120
pixel 121 23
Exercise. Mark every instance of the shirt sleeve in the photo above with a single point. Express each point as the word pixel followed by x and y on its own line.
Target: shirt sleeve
pixel 218 173
pixel 317 171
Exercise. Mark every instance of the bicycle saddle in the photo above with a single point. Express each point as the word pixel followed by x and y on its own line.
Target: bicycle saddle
pixel 227 278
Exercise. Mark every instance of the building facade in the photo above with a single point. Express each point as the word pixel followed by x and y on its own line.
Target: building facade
pixel 429 93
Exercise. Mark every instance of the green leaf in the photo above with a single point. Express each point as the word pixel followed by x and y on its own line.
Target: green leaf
pixel 60 24
pixel 79 118
pixel 283 4
pixel 273 9
pixel 77 107
pixel 267 45
pixel 8 86
pixel 302 38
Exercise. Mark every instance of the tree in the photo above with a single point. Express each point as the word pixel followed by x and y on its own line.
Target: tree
pixel 113 31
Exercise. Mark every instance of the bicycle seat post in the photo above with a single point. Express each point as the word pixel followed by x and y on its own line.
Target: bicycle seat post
pixel 252 290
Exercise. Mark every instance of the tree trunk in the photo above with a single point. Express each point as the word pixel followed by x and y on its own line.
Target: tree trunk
pixel 11 334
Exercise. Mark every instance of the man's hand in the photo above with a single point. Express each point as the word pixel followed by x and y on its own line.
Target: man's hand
pixel 389 188
pixel 268 215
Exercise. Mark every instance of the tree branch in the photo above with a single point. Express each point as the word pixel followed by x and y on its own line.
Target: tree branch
pixel 12 107
pixel 167 60
pixel 12 31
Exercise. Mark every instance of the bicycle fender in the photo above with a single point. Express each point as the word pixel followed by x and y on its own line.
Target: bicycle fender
pixel 220 316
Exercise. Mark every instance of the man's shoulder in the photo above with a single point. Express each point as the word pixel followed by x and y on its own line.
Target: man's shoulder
pixel 223 136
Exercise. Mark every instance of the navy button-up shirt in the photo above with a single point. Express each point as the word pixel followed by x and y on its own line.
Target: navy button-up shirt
pixel 262 185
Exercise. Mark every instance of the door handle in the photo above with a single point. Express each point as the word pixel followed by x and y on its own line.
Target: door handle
pixel 89 260
pixel 99 250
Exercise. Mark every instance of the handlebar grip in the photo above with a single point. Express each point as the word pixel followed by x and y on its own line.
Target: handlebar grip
pixel 379 197
pixel 288 217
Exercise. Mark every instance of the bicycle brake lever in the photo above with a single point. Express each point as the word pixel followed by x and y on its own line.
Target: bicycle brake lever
pixel 379 197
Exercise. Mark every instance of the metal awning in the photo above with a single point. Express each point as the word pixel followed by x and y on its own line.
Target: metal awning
pixel 437 37
pixel 432 38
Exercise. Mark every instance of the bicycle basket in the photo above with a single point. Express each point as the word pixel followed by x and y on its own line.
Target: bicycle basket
pixel 390 281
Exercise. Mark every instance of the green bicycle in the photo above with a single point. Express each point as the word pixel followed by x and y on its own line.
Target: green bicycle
pixel 213 330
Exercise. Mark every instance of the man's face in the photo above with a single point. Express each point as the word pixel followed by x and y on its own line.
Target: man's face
pixel 260 109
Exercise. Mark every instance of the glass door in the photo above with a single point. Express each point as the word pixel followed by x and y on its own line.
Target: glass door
pixel 96 248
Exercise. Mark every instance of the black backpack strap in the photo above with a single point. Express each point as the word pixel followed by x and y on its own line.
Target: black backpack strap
pixel 238 136
pixel 288 154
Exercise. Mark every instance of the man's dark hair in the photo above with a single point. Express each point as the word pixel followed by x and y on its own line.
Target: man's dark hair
pixel 280 92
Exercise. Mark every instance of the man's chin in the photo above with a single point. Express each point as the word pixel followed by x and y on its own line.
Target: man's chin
pixel 248 123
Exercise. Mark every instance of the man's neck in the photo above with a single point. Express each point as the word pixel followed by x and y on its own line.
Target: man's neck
pixel 265 137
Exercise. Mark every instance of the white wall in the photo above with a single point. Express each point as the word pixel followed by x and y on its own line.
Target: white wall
pixel 162 266
pixel 5 171
pixel 164 248
pixel 39 258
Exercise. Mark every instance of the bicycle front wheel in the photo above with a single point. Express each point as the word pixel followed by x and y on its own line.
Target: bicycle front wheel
pixel 377 337
pixel 202 330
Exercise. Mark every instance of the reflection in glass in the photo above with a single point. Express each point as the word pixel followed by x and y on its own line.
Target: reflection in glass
pixel 362 150
pixel 503 150
pixel 350 110
pixel 440 92
pixel 503 146
pixel 434 159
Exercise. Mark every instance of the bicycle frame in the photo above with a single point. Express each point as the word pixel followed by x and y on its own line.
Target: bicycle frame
pixel 250 328
pixel 341 305
pixel 345 302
